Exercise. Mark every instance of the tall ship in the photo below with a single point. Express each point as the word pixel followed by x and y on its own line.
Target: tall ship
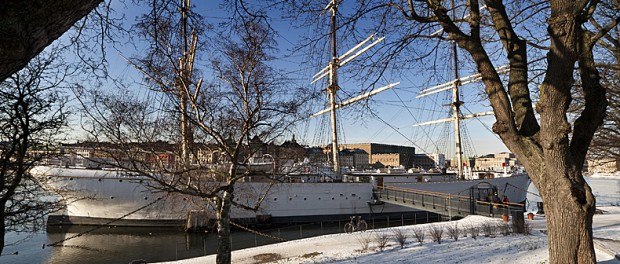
pixel 115 197
pixel 303 192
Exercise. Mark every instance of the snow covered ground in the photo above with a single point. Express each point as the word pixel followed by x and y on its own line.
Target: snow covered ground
pixel 512 248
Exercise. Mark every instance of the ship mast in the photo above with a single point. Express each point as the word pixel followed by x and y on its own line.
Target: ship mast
pixel 332 88
pixel 332 71
pixel 456 104
pixel 186 67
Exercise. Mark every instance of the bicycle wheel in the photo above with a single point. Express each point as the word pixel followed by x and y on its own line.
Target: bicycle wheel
pixel 348 227
pixel 362 226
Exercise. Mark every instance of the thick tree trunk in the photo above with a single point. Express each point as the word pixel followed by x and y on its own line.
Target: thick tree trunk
pixel 27 27
pixel 224 246
pixel 569 203
pixel 569 221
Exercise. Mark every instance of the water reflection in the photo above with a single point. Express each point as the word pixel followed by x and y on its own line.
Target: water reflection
pixel 123 244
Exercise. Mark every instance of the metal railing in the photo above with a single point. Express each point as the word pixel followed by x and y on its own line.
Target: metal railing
pixel 444 203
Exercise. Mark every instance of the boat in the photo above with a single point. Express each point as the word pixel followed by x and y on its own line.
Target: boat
pixel 115 197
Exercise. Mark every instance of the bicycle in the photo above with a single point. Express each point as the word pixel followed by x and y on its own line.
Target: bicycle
pixel 356 224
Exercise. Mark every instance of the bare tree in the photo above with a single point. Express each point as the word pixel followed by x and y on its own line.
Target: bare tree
pixel 419 234
pixel 382 239
pixel 454 231
pixel 491 33
pixel 473 230
pixel 364 240
pixel 31 112
pixel 245 99
pixel 489 229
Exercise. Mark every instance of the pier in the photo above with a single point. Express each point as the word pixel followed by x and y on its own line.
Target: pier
pixel 447 204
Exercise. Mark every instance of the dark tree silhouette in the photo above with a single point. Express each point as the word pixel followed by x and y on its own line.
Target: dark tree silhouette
pixel 31 113
pixel 26 28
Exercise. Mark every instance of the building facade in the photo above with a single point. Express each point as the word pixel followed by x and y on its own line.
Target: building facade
pixel 603 165
pixel 496 161
pixel 429 161
pixel 385 154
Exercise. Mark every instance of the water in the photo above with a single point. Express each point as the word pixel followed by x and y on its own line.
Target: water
pixel 123 245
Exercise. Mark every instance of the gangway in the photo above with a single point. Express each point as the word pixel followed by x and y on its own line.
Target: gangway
pixel 444 203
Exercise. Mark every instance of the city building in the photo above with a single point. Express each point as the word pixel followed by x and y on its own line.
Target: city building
pixel 384 154
pixel 429 161
pixel 391 160
pixel 496 161
pixel 605 165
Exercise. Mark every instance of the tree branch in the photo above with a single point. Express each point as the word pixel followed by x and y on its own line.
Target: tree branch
pixel 518 77
pixel 27 28
pixel 595 102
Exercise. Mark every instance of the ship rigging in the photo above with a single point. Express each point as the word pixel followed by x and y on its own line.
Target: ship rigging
pixel 332 87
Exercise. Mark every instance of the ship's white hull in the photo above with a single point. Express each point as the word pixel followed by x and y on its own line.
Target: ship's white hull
pixel 110 197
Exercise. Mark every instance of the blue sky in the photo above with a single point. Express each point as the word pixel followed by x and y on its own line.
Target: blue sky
pixel 387 118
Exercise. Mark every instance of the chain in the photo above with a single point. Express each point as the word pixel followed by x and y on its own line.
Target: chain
pixel 257 232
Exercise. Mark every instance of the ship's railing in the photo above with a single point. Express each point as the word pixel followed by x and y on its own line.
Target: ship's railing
pixel 356 178
pixel 444 203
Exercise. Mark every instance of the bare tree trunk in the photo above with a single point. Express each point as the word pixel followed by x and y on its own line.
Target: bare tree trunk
pixel 224 246
pixel 26 28
pixel 569 222
pixel 569 202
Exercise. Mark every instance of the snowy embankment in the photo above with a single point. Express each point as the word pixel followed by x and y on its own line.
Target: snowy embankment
pixel 365 247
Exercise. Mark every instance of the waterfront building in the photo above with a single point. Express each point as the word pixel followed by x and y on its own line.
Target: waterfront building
pixel 429 161
pixel 385 154
pixel 496 161
pixel 605 165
